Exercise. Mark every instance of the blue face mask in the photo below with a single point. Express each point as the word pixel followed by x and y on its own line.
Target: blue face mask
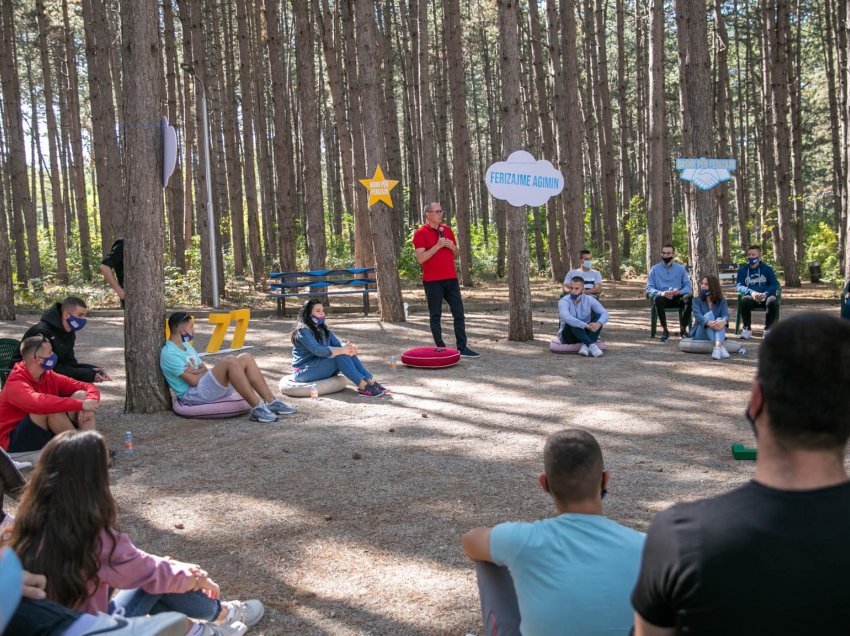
pixel 703 293
pixel 76 323
pixel 317 320
pixel 187 337
pixel 575 296
pixel 587 264
pixel 753 261
pixel 49 362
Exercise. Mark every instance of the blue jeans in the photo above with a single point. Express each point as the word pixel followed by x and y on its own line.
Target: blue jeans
pixel 137 602
pixel 701 332
pixel 575 335
pixel 350 366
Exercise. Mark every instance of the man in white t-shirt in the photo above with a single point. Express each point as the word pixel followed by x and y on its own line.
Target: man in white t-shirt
pixel 572 573
pixel 592 278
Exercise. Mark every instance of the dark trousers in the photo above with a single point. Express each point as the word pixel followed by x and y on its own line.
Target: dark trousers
pixel 40 618
pixel 748 303
pixel 575 335
pixel 662 303
pixel 449 290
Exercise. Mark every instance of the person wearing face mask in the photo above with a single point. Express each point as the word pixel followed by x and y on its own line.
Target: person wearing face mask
pixel 60 325
pixel 195 383
pixel 318 354
pixel 37 403
pixel 711 316
pixel 770 556
pixel 582 318
pixel 758 286
pixel 569 574
pixel 669 286
pixel 592 278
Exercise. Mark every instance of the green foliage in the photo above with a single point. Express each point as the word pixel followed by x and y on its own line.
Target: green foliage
pixel 822 247
pixel 637 232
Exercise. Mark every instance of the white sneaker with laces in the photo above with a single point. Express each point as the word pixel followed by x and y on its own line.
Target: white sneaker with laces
pixel 716 353
pixel 724 353
pixel 584 351
pixel 595 351
pixel 248 612
pixel 746 333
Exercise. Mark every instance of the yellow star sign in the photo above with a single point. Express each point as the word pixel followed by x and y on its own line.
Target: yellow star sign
pixel 379 188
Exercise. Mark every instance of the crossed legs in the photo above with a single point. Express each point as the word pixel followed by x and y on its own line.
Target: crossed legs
pixel 58 422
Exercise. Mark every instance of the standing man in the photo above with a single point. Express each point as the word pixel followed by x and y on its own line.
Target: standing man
pixel 758 286
pixel 37 403
pixel 591 277
pixel 669 285
pixel 772 556
pixel 436 251
pixel 115 261
pixel 59 325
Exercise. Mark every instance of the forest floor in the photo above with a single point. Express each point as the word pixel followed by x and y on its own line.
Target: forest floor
pixel 346 517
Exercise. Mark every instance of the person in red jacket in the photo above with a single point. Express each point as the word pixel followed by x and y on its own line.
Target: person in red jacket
pixel 36 403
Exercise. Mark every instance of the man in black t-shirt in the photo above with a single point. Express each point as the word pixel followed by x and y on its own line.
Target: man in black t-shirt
pixel 772 557
pixel 115 261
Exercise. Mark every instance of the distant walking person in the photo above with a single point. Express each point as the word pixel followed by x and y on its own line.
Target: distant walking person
pixel 436 251
pixel 115 261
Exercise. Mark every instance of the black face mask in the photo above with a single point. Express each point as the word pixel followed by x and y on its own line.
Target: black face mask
pixel 667 259
pixel 751 418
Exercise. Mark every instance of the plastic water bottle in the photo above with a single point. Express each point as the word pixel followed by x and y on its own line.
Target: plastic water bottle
pixel 742 351
pixel 393 362
pixel 314 391
pixel 406 310
pixel 129 446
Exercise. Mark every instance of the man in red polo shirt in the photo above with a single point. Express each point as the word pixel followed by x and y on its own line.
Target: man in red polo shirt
pixel 436 251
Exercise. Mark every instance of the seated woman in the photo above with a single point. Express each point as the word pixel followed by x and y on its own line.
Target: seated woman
pixel 711 315
pixel 65 531
pixel 318 354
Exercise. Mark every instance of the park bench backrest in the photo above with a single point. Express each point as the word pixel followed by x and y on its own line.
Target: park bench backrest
pixel 322 283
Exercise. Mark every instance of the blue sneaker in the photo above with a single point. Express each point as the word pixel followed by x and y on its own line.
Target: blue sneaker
pixel 278 407
pixel 261 413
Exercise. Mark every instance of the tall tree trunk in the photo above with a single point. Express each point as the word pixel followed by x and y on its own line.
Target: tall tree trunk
pixel 721 192
pixel 520 328
pixel 144 246
pixel 656 163
pixel 697 134
pixel 623 130
pixel 423 44
pixel 58 206
pixel 386 263
pixel 175 184
pixel 16 160
pixel 461 154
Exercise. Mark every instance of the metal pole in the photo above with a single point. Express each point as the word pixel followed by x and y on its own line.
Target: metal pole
pixel 210 215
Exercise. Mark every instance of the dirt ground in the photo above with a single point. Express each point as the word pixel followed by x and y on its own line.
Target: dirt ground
pixel 346 517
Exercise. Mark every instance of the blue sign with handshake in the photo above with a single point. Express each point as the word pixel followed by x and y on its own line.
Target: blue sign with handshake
pixel 706 173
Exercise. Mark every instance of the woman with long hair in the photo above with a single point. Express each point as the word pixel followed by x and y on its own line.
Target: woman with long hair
pixel 711 315
pixel 318 354
pixel 65 529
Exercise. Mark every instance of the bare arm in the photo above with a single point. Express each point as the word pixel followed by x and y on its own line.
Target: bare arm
pixel 476 544
pixel 595 290
pixel 423 255
pixel 643 628
pixel 109 276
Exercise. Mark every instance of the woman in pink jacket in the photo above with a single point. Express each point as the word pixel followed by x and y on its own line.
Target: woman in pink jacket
pixel 65 530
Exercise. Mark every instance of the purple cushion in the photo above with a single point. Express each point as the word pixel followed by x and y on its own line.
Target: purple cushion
pixel 231 406
pixel 556 346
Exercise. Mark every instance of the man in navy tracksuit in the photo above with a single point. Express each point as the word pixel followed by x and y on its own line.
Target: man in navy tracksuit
pixel 758 287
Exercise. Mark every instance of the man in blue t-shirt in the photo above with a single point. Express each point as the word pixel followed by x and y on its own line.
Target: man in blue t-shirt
pixel 572 573
pixel 758 287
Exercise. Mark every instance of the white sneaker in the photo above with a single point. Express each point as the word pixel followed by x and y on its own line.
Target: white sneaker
pixel 746 333
pixel 595 351
pixel 715 354
pixel 248 612
pixel 584 351
pixel 723 352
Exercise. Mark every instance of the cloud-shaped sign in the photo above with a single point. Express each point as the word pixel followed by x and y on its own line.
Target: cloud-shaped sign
pixel 522 180
pixel 706 178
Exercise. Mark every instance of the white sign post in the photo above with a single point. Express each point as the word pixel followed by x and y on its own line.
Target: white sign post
pixel 523 180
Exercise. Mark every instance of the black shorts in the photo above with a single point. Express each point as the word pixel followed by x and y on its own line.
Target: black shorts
pixel 28 436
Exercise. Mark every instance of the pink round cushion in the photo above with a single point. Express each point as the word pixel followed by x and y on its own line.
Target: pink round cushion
pixel 231 406
pixel 430 357
pixel 556 346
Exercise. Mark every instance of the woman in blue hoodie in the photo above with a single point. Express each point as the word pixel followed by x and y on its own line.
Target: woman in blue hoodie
pixel 711 315
pixel 318 354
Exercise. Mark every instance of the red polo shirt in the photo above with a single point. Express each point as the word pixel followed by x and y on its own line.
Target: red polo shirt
pixel 441 266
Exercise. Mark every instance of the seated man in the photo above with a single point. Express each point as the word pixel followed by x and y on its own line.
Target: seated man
pixel 582 318
pixel 36 403
pixel 573 572
pixel 668 285
pixel 592 278
pixel 60 325
pixel 757 285
pixel 772 556
pixel 193 382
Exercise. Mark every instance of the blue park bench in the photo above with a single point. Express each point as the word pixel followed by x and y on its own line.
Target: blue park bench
pixel 326 282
